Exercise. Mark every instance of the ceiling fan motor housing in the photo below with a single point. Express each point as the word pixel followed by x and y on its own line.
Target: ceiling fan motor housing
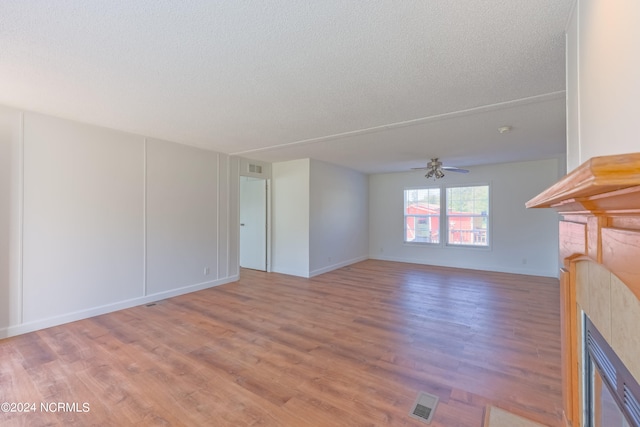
pixel 434 163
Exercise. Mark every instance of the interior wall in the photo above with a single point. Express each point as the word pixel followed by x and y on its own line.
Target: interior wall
pixel 523 241
pixel 10 216
pixel 181 215
pixel 573 93
pixel 83 217
pixel 99 224
pixel 290 217
pixel 604 45
pixel 339 217
pixel 319 218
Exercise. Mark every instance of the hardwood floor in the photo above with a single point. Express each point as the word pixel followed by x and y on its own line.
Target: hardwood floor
pixel 351 347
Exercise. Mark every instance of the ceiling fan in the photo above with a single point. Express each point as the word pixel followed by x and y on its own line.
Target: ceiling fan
pixel 435 169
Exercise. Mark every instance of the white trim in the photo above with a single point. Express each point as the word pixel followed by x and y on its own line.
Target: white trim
pixel 228 207
pixel 292 272
pixel 509 270
pixel 574 9
pixel 21 219
pixel 236 178
pixel 336 266
pixel 445 224
pixel 443 217
pixel 474 110
pixel 268 266
pixel 439 187
pixel 578 90
pixel 107 308
pixel 218 216
pixel 144 217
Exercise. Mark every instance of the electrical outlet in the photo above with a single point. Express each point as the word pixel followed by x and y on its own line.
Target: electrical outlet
pixel 207 271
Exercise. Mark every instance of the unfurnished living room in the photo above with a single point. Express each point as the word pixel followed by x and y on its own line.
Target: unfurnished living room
pixel 326 213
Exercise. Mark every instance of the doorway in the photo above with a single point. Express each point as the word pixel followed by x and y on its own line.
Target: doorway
pixel 253 223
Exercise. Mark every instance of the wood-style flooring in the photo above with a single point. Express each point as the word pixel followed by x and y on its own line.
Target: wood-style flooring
pixel 352 347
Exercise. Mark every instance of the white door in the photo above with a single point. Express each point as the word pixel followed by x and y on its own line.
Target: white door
pixel 253 223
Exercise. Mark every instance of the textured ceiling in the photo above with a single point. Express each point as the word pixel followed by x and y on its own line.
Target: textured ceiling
pixel 374 85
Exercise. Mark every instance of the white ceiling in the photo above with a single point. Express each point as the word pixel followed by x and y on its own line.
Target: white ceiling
pixel 374 85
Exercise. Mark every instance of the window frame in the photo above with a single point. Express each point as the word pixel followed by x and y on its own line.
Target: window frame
pixel 444 217
pixel 405 216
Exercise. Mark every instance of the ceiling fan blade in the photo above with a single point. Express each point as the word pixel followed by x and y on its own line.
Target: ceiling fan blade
pixel 423 168
pixel 453 169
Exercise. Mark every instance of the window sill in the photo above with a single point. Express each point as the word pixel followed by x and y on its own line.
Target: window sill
pixel 447 246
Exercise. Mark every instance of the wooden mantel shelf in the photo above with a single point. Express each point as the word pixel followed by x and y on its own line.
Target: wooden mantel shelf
pixel 580 188
pixel 600 205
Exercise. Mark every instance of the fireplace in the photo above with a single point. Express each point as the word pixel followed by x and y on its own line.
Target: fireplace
pixel 599 238
pixel 612 397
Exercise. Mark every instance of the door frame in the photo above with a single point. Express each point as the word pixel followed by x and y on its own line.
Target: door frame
pixel 268 225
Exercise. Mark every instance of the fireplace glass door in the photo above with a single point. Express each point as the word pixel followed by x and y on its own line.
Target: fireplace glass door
pixel 605 411
pixel 612 398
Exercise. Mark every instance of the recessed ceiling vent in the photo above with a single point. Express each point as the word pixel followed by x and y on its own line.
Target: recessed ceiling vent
pixel 424 407
pixel 255 168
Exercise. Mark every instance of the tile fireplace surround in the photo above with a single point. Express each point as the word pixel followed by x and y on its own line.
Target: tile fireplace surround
pixel 599 204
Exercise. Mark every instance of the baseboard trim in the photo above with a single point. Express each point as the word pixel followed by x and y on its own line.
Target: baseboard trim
pixel 526 272
pixel 36 325
pixel 337 266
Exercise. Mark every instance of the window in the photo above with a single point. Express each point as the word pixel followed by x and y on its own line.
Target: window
pixel 422 215
pixel 467 215
pixel 464 222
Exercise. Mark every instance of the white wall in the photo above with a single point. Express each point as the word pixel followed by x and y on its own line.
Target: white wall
pixel 10 217
pixel 572 94
pixel 319 218
pixel 182 205
pixel 339 217
pixel 104 220
pixel 523 241
pixel 290 217
pixel 83 217
pixel 603 55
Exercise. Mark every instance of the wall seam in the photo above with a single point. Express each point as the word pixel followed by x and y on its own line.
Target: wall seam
pixel 578 91
pixel 144 217
pixel 229 220
pixel 218 216
pixel 21 218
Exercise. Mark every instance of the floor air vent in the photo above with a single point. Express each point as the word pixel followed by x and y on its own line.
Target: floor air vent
pixel 151 304
pixel 424 407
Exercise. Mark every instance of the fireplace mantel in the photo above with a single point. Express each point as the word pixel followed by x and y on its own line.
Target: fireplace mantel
pixel 599 203
pixel 598 176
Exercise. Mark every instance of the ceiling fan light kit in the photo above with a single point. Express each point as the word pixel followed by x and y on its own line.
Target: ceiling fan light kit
pixel 435 174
